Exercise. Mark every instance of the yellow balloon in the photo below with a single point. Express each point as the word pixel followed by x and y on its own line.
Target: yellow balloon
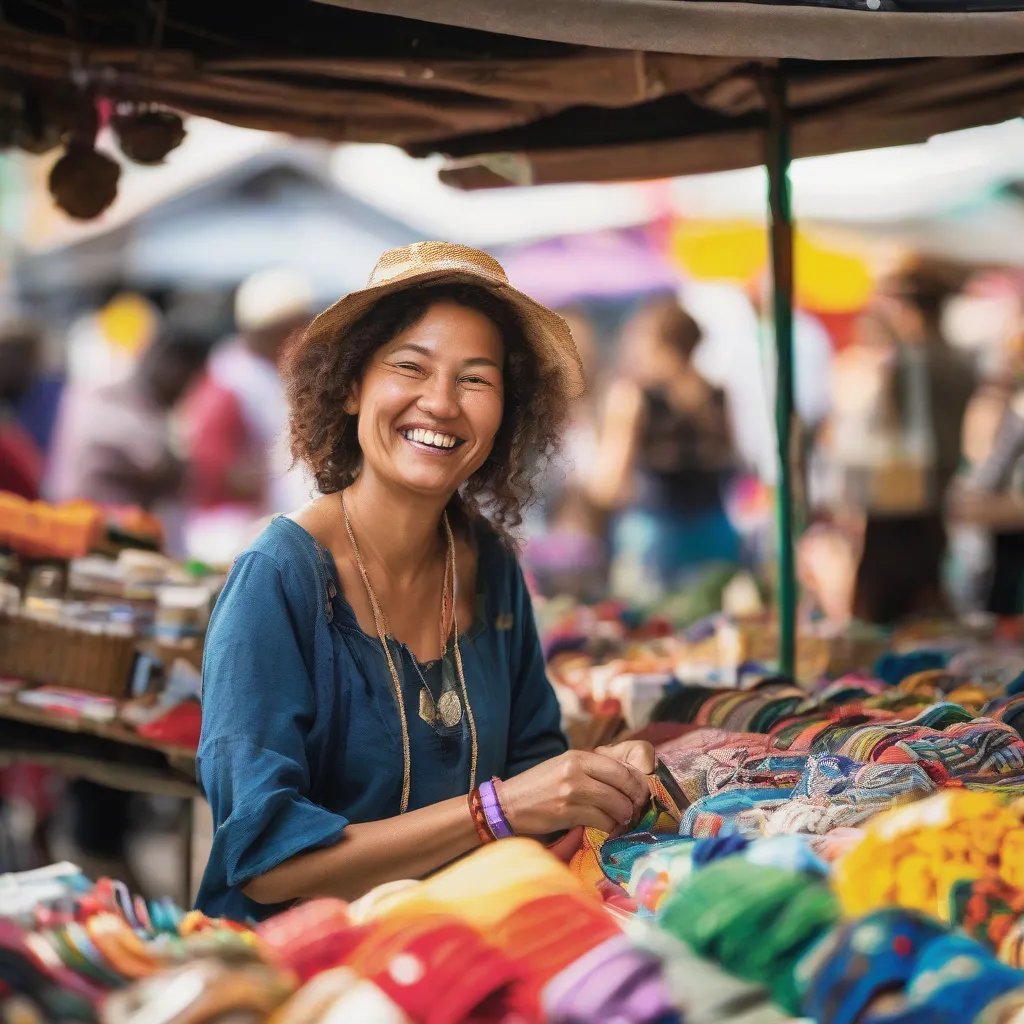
pixel 827 280
pixel 720 250
pixel 128 322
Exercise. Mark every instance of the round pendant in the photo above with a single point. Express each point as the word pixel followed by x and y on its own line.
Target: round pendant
pixel 449 708
pixel 427 710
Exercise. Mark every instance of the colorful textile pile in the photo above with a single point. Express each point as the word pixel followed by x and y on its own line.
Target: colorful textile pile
pixel 783 930
pixel 851 852
pixel 828 839
pixel 776 761
pixel 506 935
pixel 958 857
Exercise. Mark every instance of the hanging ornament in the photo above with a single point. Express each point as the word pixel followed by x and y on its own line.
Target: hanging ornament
pixel 83 182
pixel 147 135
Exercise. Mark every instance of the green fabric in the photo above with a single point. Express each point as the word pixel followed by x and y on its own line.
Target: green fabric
pixel 755 921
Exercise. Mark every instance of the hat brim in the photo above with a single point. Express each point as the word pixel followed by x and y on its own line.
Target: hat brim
pixel 547 334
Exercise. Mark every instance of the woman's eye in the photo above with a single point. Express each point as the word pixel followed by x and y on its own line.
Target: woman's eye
pixel 475 380
pixel 408 366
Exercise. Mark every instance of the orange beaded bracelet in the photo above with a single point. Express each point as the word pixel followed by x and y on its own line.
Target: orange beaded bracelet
pixel 476 809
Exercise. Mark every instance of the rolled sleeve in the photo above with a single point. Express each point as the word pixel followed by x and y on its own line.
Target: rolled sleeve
pixel 535 729
pixel 258 708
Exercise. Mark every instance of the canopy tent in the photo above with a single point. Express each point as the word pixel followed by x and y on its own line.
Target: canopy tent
pixel 822 31
pixel 533 92
pixel 580 89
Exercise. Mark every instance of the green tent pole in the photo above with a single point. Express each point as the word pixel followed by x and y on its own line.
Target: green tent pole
pixel 777 159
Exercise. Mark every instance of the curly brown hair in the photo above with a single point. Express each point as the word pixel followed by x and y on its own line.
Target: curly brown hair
pixel 319 377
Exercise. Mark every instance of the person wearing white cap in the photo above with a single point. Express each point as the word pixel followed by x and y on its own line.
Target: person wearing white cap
pixel 238 416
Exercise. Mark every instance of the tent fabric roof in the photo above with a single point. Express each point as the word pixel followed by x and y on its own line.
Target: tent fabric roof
pixel 752 29
pixel 511 109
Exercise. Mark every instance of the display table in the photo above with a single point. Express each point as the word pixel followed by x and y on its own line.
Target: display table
pixel 106 753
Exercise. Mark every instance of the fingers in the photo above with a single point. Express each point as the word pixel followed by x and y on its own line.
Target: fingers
pixel 593 817
pixel 628 781
pixel 603 806
pixel 567 847
pixel 637 754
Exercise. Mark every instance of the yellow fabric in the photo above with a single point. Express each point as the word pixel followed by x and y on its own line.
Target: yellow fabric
pixel 487 886
pixel 586 862
pixel 911 856
pixel 379 901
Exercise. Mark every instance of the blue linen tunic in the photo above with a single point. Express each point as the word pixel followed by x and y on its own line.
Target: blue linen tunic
pixel 301 733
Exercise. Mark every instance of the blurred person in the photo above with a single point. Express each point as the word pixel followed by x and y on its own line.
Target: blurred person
pixel 993 492
pixel 115 446
pixel 104 344
pixel 812 357
pixel 26 791
pixel 237 420
pixel 827 556
pixel 737 353
pixel 21 460
pixel 566 552
pixel 579 441
pixel 664 454
pixel 901 394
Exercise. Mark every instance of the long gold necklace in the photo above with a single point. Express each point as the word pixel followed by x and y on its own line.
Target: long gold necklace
pixel 448 707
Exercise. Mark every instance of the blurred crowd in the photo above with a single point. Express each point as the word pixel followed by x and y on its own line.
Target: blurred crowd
pixel 910 455
pixel 666 465
pixel 178 422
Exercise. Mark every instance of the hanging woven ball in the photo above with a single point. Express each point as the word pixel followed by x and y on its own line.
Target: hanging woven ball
pixel 147 136
pixel 83 183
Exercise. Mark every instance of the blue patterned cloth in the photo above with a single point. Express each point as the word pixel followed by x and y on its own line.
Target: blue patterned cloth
pixel 301 734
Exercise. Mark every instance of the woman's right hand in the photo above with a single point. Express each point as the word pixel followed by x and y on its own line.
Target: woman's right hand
pixel 575 788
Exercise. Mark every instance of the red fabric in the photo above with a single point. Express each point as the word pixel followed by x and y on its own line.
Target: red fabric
pixel 180 727
pixel 21 462
pixel 840 327
pixel 438 970
pixel 36 786
pixel 218 440
pixel 545 935
pixel 313 937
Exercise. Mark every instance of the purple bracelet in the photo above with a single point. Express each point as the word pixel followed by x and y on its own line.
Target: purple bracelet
pixel 496 820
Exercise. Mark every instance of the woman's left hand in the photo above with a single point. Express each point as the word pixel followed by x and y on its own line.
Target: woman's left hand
pixel 638 754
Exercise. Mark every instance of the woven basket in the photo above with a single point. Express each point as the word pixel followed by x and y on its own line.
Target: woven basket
pixel 57 654
pixel 815 655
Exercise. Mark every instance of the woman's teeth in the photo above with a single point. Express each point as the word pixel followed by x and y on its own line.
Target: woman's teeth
pixel 432 438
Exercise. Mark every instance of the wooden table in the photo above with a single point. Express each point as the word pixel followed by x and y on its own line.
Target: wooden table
pixel 107 753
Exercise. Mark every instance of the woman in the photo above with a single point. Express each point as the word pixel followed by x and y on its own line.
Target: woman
pixel 566 553
pixel 665 451
pixel 345 716
pixel 990 495
pixel 903 392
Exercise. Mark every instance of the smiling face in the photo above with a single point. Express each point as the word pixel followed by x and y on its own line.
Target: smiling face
pixel 431 401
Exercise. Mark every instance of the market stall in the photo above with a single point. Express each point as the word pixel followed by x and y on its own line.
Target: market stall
pixel 776 844
pixel 100 648
pixel 524 95
pixel 796 841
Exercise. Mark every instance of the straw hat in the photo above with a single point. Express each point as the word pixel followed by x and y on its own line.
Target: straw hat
pixel 270 298
pixel 426 263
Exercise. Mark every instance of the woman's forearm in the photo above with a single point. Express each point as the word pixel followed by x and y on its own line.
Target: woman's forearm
pixel 409 846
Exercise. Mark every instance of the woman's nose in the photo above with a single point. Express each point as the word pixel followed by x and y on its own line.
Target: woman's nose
pixel 440 398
